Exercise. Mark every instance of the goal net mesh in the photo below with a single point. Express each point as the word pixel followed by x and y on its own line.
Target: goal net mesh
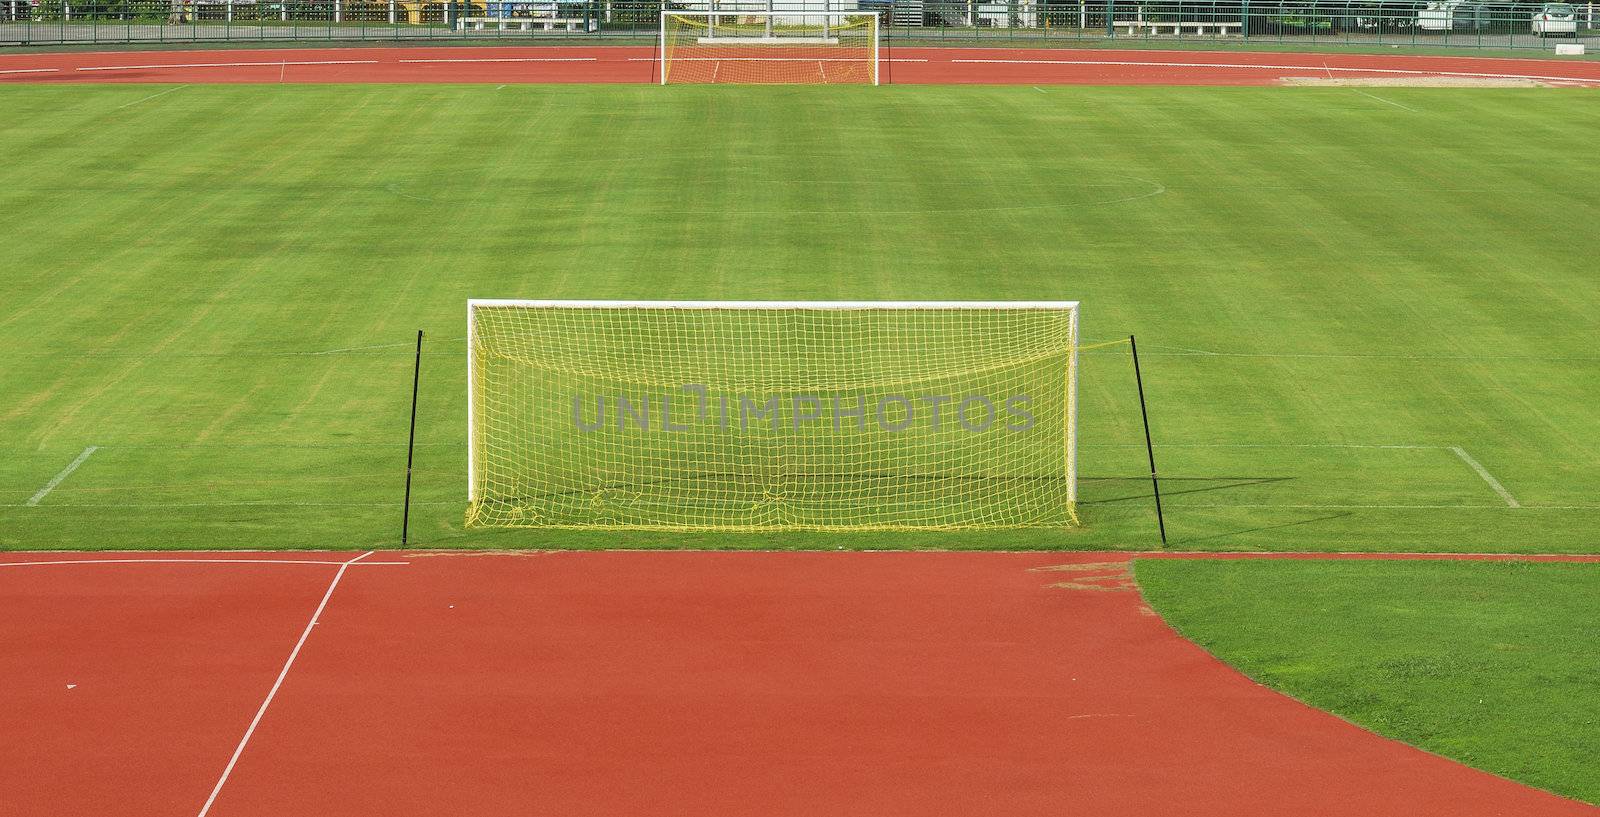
pixel 772 47
pixel 741 418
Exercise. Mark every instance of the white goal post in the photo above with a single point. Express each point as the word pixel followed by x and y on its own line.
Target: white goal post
pixel 793 47
pixel 768 415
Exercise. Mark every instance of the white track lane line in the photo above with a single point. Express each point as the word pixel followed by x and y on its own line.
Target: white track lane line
pixel 272 693
pixel 757 59
pixel 29 70
pixel 272 64
pixel 57 562
pixel 1487 477
pixel 61 477
pixel 510 59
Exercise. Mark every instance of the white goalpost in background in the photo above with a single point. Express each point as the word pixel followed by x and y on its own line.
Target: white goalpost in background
pixel 790 47
pixel 765 415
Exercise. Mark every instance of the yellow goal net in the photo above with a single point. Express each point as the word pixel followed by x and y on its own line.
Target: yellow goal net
pixel 794 47
pixel 760 415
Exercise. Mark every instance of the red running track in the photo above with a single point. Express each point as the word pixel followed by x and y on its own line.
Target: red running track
pixel 610 64
pixel 650 683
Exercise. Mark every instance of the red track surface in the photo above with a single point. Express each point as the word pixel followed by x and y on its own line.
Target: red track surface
pixel 634 683
pixel 1029 66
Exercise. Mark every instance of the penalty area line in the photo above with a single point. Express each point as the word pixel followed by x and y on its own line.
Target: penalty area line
pixel 1511 501
pixel 283 673
pixel 61 477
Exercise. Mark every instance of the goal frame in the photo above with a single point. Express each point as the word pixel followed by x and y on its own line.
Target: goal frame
pixel 877 31
pixel 1070 432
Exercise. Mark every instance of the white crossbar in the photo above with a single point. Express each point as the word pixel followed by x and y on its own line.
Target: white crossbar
pixel 558 304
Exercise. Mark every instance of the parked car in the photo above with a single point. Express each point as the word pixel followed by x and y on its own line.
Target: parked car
pixel 1453 15
pixel 1555 18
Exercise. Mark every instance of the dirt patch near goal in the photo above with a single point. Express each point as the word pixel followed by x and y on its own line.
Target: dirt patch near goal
pixel 1418 82
pixel 1098 576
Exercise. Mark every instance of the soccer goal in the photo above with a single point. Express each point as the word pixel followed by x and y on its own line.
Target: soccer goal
pixel 810 415
pixel 813 47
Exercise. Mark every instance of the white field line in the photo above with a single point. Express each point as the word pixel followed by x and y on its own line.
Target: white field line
pixel 150 97
pixel 1342 355
pixel 29 70
pixel 1392 507
pixel 508 59
pixel 354 348
pixel 243 503
pixel 272 693
pixel 59 478
pixel 272 63
pixel 1405 71
pixel 58 562
pixel 1269 445
pixel 1511 501
pixel 1487 477
pixel 1386 101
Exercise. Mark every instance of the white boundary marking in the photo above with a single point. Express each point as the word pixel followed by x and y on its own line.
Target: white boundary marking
pixel 1477 467
pixel 57 562
pixel 29 70
pixel 1386 101
pixel 1273 445
pixel 1180 352
pixel 150 97
pixel 243 503
pixel 272 693
pixel 771 59
pixel 272 64
pixel 1395 507
pixel 1487 477
pixel 507 59
pixel 59 478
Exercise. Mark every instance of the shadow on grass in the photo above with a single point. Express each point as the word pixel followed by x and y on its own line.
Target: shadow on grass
pixel 1224 535
pixel 1228 482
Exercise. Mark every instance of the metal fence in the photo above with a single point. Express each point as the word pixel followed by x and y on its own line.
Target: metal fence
pixel 1450 23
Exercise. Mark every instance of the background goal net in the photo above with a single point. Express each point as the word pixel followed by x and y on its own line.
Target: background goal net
pixel 764 416
pixel 769 47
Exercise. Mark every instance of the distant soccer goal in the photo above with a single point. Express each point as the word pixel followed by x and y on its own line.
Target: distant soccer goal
pixel 810 47
pixel 712 415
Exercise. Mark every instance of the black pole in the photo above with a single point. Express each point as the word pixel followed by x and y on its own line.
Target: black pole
pixel 411 444
pixel 1149 448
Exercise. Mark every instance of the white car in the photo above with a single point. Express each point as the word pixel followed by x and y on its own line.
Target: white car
pixel 1555 18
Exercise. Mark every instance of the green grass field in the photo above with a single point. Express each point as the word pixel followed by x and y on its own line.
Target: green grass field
pixel 218 286
pixel 1490 664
